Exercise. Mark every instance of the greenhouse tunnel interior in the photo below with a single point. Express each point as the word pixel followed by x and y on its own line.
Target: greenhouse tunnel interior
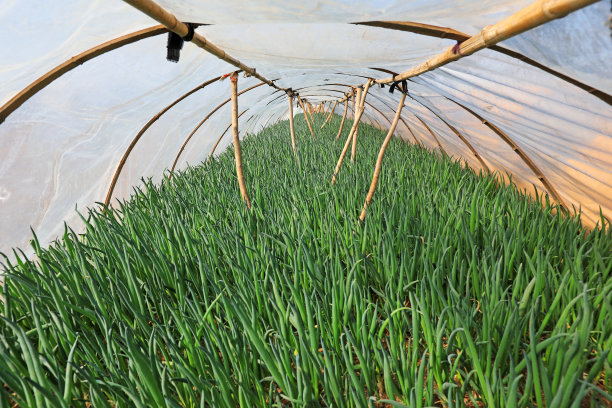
pixel 60 148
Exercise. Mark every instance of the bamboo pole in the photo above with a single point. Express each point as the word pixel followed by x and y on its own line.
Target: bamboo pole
pixel 432 133
pixel 159 114
pixel 520 152
pixel 331 113
pixel 355 123
pixel 449 33
pixel 236 140
pixel 460 136
pixel 361 97
pixel 44 80
pixel 223 134
pixel 348 140
pixel 381 154
pixel 201 123
pixel 537 13
pixel 169 20
pixel 291 124
pixel 306 116
pixel 346 104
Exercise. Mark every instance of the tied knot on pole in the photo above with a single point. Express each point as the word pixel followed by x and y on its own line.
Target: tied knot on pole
pixel 234 76
pixel 456 50
pixel 175 42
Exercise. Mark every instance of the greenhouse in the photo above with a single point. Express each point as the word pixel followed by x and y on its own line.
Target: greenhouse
pixel 306 204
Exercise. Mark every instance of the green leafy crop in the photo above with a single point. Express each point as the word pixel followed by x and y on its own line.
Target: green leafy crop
pixel 457 290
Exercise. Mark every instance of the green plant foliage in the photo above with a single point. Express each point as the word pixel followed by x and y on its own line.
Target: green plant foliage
pixel 457 290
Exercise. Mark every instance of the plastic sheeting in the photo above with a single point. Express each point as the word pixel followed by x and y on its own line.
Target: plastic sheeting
pixel 60 149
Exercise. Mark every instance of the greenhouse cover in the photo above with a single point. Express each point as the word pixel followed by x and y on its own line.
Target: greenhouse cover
pixel 60 148
pixel 459 254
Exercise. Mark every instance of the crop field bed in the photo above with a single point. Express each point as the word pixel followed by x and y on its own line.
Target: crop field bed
pixel 457 290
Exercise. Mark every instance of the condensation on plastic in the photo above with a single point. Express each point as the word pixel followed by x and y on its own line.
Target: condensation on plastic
pixel 59 150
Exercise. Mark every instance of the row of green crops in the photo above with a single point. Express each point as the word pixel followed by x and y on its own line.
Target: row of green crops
pixel 454 292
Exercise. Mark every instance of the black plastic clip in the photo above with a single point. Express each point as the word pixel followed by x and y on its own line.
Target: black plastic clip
pixel 402 86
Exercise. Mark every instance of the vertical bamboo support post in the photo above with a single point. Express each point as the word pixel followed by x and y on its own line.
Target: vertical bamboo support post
pixel 358 114
pixel 357 105
pixel 346 104
pixel 381 154
pixel 331 113
pixel 221 137
pixel 361 97
pixel 306 115
pixel 291 124
pixel 236 140
pixel 310 113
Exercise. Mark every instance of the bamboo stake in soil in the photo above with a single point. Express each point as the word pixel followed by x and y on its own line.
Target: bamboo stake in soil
pixel 381 154
pixel 201 123
pixel 236 140
pixel 356 124
pixel 331 113
pixel 306 116
pixel 349 138
pixel 291 124
pixel 361 97
pixel 346 104
pixel 223 134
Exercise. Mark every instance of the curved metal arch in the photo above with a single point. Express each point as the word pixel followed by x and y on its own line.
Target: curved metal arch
pixel 202 122
pixel 452 34
pixel 68 65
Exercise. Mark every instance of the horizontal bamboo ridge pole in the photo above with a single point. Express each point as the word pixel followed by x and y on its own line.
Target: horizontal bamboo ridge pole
pixel 538 13
pixel 40 83
pixel 291 125
pixel 159 114
pixel 202 122
pixel 236 140
pixel 445 32
pixel 169 20
pixel 223 134
pixel 305 115
pixel 379 159
pixel 520 152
